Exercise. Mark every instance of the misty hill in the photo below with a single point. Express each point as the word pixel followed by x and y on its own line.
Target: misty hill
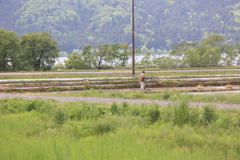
pixel 158 23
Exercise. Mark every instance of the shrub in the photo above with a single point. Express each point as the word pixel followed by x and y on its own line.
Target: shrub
pixel 134 111
pixel 102 127
pixel 166 95
pixel 8 90
pixel 194 115
pixel 181 114
pixel 114 108
pixel 87 87
pixel 76 88
pixel 209 115
pixel 154 114
pixel 81 129
pixel 102 111
pixel 59 116
pixel 125 107
pixel 167 114
pixel 44 106
pixel 225 122
pixel 83 111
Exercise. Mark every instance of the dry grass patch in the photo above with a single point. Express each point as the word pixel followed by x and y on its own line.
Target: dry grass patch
pixel 199 87
pixel 229 87
pixel 86 82
pixel 2 88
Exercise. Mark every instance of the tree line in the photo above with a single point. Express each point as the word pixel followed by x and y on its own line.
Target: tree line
pixel 39 52
pixel 210 51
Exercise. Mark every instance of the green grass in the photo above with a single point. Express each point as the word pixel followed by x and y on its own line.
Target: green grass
pixel 165 95
pixel 30 129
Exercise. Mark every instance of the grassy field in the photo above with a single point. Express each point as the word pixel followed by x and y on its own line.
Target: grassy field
pixel 46 129
pixel 164 95
pixel 39 129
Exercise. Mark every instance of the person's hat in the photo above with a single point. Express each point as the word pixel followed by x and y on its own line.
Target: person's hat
pixel 143 71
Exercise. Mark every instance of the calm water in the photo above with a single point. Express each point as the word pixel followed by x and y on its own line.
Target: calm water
pixel 137 59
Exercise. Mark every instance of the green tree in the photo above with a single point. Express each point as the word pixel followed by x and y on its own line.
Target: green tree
pixel 191 58
pixel 124 54
pixel 39 51
pixel 179 49
pixel 231 52
pixel 9 50
pixel 205 53
pixel 100 54
pixel 166 62
pixel 104 55
pixel 113 55
pixel 76 61
pixel 146 60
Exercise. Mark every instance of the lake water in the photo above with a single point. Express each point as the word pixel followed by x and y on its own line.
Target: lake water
pixel 137 59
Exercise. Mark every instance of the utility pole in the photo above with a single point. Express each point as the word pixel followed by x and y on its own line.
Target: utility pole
pixel 133 42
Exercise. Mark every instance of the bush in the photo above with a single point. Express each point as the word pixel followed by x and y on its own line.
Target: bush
pixel 225 122
pixel 181 114
pixel 114 108
pixel 125 107
pixel 166 95
pixel 134 111
pixel 58 67
pixel 84 111
pixel 209 115
pixel 8 90
pixel 154 114
pixel 194 116
pixel 102 127
pixel 60 116
pixel 87 87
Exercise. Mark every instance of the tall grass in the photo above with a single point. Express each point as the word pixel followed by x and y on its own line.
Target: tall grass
pixel 166 95
pixel 80 130
pixel 107 147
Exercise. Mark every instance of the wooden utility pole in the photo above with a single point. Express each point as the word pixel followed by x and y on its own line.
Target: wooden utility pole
pixel 133 42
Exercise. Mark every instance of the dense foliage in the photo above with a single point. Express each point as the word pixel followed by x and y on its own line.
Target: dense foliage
pixel 32 51
pixel 9 49
pixel 158 24
pixel 210 51
pixel 39 129
pixel 39 51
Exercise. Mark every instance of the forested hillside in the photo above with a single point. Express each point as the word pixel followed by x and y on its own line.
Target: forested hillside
pixel 158 23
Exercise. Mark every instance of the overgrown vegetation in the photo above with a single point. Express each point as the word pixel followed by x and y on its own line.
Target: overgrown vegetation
pixel 32 129
pixel 165 95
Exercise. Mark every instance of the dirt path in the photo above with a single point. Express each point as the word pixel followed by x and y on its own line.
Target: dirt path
pixel 110 100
